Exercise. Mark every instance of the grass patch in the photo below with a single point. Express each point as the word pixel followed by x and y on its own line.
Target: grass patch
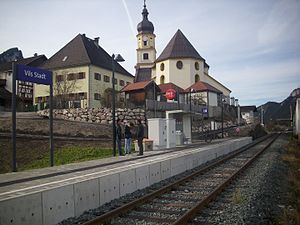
pixel 68 155
pixel 237 197
pixel 291 214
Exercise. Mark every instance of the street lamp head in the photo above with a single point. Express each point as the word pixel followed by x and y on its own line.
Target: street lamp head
pixel 119 58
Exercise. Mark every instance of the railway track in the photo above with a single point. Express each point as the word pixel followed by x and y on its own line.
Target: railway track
pixel 177 203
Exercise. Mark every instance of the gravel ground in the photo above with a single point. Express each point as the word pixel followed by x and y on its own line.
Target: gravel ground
pixel 257 197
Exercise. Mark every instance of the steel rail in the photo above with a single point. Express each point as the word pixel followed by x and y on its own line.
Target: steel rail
pixel 187 216
pixel 106 217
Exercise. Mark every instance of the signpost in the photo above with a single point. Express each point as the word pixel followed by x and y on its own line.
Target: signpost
pixel 170 94
pixel 33 75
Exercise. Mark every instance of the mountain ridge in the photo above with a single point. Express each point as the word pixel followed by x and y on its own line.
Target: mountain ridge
pixel 274 111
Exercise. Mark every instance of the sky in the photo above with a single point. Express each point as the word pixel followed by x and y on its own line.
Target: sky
pixel 252 47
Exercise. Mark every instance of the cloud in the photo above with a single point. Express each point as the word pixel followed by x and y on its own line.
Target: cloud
pixel 282 23
pixel 255 83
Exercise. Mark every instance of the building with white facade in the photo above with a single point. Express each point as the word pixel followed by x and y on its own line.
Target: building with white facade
pixel 179 63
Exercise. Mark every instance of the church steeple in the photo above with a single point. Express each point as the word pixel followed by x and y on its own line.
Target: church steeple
pixel 146 53
pixel 145 26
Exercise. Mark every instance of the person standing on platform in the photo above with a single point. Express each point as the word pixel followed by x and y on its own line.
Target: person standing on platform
pixel 128 136
pixel 119 137
pixel 140 137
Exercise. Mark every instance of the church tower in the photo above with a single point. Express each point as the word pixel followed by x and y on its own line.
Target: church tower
pixel 146 53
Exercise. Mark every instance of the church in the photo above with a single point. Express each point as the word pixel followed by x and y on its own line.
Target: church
pixel 179 65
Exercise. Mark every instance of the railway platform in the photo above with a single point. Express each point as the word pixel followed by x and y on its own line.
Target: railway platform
pixel 49 195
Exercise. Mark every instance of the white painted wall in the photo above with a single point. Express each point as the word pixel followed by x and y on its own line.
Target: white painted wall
pixel 213 99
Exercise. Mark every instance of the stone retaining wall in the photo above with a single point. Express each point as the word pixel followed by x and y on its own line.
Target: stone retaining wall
pixel 97 115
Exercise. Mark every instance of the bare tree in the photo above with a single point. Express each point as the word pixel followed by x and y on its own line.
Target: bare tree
pixel 106 98
pixel 65 85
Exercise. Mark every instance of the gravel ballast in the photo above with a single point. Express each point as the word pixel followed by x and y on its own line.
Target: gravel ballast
pixel 257 197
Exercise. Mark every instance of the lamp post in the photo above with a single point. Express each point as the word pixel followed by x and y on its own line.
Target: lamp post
pixel 191 90
pixel 117 58
pixel 222 116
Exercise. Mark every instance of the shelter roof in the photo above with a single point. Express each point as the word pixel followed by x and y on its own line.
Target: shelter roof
pixel 166 86
pixel 202 86
pixel 139 86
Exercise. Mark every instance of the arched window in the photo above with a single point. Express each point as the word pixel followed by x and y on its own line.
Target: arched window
pixel 197 78
pixel 179 65
pixel 196 65
pixel 162 66
pixel 162 79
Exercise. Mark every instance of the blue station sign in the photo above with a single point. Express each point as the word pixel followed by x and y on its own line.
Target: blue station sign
pixel 34 75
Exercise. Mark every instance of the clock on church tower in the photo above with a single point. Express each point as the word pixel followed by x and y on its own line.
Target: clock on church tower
pixel 146 53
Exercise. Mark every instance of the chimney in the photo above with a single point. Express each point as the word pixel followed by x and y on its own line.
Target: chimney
pixel 96 40
pixel 35 55
pixel 83 35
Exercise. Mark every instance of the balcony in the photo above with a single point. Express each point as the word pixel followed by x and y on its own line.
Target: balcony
pixel 208 111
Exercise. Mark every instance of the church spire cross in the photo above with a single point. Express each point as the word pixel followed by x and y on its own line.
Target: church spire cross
pixel 145 11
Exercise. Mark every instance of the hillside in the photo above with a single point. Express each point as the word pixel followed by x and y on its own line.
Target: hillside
pixel 274 111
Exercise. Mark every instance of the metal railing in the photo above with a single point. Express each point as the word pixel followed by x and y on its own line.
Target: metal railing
pixel 213 111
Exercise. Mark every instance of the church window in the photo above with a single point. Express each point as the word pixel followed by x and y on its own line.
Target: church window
pixel 145 56
pixel 162 79
pixel 197 78
pixel 162 66
pixel 179 65
pixel 145 43
pixel 196 65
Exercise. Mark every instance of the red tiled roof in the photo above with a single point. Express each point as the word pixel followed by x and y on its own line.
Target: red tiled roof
pixel 202 86
pixel 165 87
pixel 138 86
